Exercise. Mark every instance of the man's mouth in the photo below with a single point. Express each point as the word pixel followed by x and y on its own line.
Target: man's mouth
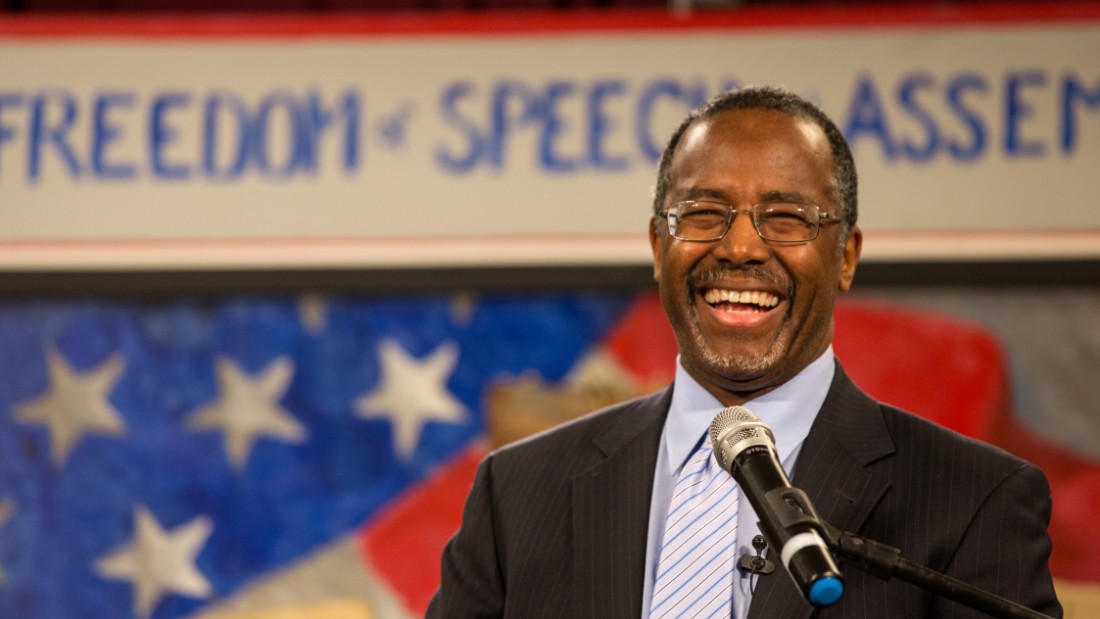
pixel 740 300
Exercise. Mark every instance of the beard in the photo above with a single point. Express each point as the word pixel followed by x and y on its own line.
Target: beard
pixel 740 365
pixel 737 366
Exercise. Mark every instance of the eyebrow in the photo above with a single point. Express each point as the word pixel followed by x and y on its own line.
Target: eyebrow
pixel 699 193
pixel 786 196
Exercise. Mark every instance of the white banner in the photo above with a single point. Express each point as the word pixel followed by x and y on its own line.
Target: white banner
pixel 212 146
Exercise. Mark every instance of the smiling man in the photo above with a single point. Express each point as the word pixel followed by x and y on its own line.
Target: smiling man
pixel 623 512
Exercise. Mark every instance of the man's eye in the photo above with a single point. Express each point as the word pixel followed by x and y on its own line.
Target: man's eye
pixel 787 217
pixel 704 213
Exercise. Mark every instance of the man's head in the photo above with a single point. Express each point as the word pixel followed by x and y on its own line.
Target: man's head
pixel 780 100
pixel 750 313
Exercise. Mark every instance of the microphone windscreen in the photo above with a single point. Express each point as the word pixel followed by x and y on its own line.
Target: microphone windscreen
pixel 731 427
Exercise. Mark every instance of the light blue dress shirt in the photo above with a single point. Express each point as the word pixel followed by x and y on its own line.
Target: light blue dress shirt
pixel 789 411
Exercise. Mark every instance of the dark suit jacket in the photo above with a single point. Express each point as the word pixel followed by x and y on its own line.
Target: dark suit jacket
pixel 555 526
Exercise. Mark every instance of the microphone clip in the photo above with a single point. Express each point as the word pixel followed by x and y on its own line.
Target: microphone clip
pixel 757 565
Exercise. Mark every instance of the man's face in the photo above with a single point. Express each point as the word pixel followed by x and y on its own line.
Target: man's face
pixel 748 314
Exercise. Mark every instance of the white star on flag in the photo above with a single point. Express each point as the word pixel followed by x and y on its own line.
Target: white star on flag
pixel 7 510
pixel 158 562
pixel 75 404
pixel 411 393
pixel 248 408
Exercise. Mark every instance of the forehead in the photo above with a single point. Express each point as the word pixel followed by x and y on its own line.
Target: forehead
pixel 754 147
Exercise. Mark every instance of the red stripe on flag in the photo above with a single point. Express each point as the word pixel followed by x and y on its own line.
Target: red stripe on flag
pixel 417 526
pixel 945 368
pixel 643 343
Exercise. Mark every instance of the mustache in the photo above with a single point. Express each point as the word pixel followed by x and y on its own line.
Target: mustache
pixel 712 275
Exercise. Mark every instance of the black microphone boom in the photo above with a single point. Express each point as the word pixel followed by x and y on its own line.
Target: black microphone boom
pixel 745 447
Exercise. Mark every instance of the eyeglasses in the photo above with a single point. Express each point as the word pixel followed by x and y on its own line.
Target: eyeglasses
pixel 778 222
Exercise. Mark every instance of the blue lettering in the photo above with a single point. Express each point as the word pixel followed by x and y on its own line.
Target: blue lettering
pixel 600 124
pixel 565 116
pixel 162 135
pixel 260 143
pixel 907 94
pixel 643 126
pixel 281 137
pixel 104 134
pixel 353 112
pixel 1018 110
pixel 866 116
pixel 452 95
pixel 7 133
pixel 553 126
pixel 44 132
pixel 234 108
pixel 314 121
pixel 504 119
pixel 348 110
pixel 1072 92
pixel 955 90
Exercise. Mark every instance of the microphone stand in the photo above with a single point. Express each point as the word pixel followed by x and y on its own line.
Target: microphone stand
pixel 794 509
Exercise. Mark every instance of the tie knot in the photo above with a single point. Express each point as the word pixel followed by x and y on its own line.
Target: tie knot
pixel 704 453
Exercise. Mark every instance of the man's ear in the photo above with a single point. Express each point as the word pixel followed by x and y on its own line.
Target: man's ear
pixel 656 246
pixel 850 259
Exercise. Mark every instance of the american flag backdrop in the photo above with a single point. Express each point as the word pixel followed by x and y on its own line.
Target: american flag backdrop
pixel 156 459
pixel 293 457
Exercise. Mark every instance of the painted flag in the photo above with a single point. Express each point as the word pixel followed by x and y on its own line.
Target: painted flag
pixel 221 457
pixel 309 458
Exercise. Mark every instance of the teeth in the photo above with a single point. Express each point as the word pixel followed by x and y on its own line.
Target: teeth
pixel 754 297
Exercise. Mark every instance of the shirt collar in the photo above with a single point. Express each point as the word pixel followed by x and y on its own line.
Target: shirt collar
pixel 789 410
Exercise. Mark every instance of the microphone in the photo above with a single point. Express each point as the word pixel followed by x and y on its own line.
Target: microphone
pixel 744 447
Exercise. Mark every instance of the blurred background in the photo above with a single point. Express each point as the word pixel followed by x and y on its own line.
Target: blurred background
pixel 275 276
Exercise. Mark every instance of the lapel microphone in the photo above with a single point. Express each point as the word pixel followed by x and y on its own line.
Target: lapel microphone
pixel 758 565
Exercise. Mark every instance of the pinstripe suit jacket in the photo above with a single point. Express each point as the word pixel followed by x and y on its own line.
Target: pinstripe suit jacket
pixel 555 526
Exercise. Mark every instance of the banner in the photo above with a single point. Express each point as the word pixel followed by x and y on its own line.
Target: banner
pixel 170 142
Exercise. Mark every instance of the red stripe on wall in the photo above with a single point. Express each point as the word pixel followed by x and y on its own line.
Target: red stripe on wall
pixel 524 23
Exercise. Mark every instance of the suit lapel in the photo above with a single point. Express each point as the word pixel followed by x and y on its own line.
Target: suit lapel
pixel 834 469
pixel 611 513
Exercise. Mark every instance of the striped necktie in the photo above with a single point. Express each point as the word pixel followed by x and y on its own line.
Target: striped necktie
pixel 696 571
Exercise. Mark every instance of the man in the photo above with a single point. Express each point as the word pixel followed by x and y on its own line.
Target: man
pixel 753 236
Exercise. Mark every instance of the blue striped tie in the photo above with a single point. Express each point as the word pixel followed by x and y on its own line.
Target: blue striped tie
pixel 696 571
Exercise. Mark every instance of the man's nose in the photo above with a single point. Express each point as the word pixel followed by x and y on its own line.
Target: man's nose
pixel 741 244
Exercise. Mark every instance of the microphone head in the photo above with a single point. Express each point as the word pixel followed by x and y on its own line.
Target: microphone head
pixel 734 429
